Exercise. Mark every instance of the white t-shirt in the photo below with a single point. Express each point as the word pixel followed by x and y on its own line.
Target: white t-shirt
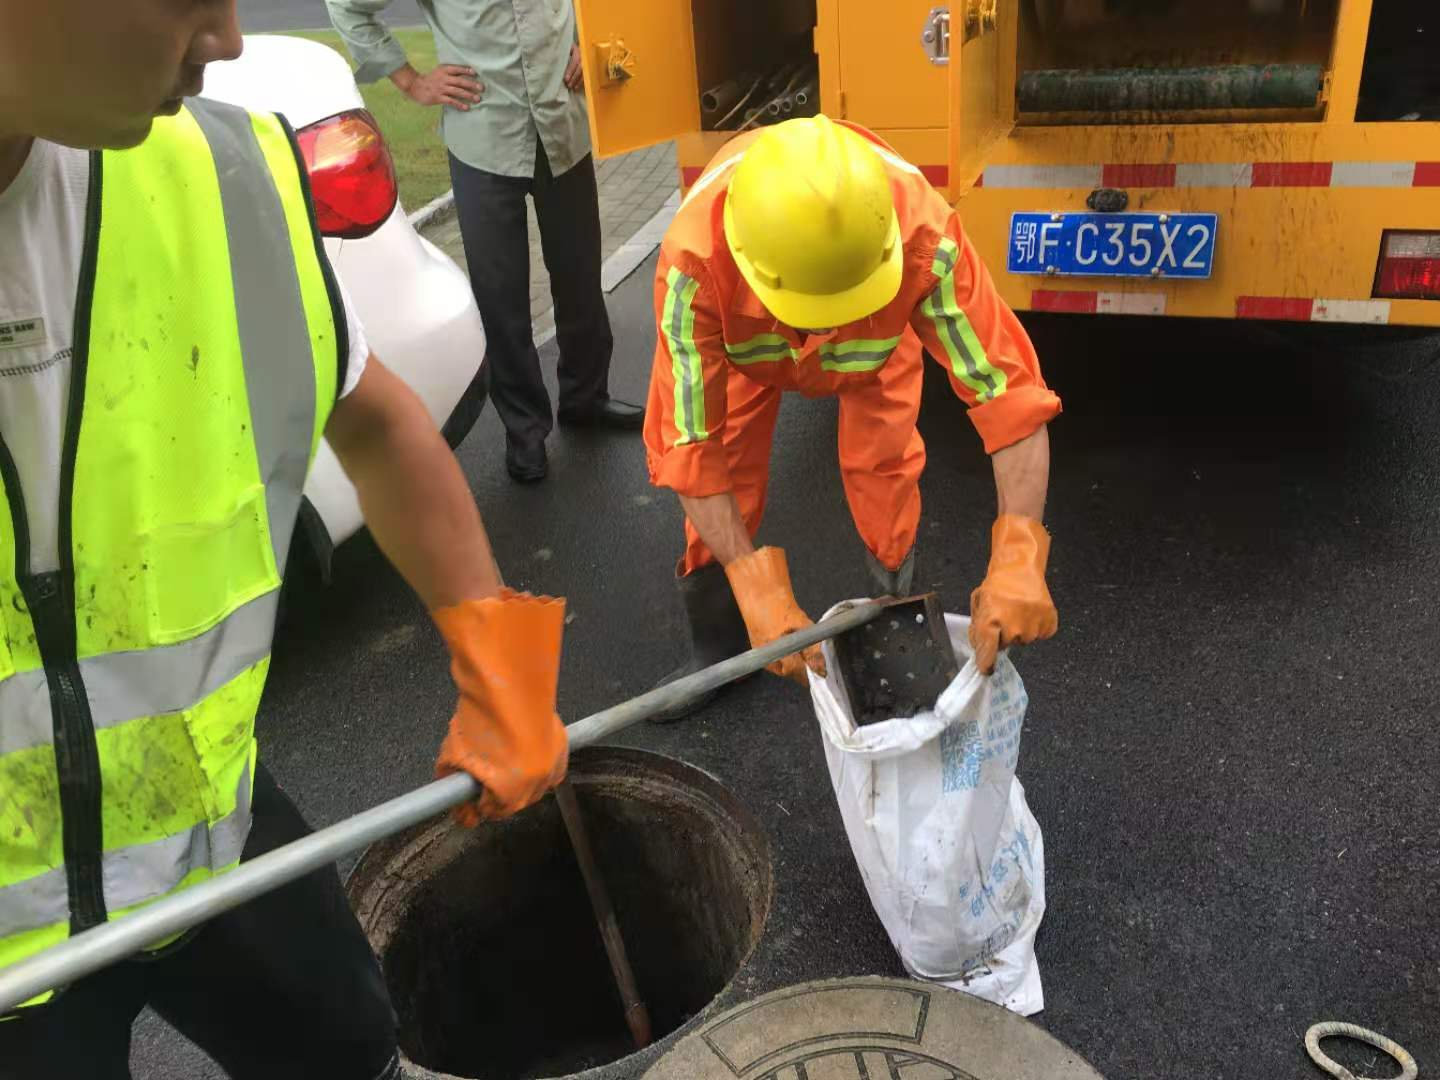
pixel 42 237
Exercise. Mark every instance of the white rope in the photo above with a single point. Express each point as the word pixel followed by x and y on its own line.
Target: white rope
pixel 1409 1070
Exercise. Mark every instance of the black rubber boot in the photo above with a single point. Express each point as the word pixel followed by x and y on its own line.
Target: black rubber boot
pixel 717 632
pixel 896 582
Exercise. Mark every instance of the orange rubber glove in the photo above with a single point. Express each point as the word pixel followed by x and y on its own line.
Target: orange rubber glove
pixel 505 659
pixel 1012 606
pixel 761 583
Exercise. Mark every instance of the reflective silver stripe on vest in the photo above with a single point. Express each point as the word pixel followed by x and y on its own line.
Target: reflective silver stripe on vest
pixel 167 678
pixel 135 874
pixel 274 334
pixel 35 902
pixel 25 718
pixel 125 686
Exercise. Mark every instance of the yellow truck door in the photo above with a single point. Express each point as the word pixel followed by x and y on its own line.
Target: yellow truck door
pixel 639 60
pixel 983 39
pixel 884 75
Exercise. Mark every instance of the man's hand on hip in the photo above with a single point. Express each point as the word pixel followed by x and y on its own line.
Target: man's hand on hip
pixel 574 72
pixel 1012 606
pixel 448 84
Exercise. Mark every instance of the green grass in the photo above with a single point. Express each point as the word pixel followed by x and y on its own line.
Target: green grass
pixel 411 131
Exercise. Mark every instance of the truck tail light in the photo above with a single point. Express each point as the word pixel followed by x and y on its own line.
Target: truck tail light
pixel 1409 266
pixel 352 178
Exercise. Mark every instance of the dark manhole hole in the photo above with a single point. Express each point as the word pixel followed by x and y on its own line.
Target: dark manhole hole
pixel 489 945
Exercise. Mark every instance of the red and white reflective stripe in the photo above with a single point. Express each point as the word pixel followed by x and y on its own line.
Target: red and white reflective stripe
pixel 1043 176
pixel 1373 174
pixel 1303 309
pixel 1214 176
pixel 1287 174
pixel 1257 174
pixel 1287 308
pixel 1093 302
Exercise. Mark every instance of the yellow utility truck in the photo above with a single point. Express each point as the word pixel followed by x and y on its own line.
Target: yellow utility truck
pixel 1269 159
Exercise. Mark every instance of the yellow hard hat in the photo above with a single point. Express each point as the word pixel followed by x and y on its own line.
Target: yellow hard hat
pixel 811 222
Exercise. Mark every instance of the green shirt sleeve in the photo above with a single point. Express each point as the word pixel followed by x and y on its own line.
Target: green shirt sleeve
pixel 374 49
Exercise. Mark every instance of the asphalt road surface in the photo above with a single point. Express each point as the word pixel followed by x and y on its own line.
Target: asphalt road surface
pixel 1231 745
pixel 269 16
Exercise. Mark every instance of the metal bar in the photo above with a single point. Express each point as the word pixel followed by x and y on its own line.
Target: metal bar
pixel 637 1016
pixel 85 953
pixel 1231 86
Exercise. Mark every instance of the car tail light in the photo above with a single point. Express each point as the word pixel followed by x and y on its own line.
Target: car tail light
pixel 352 178
pixel 1409 266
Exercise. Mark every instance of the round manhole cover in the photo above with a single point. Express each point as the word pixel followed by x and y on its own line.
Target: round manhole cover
pixel 870 1029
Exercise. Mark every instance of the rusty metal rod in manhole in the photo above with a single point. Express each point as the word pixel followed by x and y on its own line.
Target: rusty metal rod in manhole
pixel 637 1016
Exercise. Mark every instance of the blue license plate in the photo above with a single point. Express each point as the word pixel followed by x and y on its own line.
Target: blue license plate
pixel 1113 245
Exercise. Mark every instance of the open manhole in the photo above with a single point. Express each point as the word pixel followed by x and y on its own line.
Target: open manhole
pixel 489 945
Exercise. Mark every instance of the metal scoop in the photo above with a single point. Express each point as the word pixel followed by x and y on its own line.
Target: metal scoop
pixel 898 664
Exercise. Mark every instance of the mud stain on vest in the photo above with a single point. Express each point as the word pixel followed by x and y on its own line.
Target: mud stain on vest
pixel 114 400
pixel 28 784
pixel 112 609
pixel 194 358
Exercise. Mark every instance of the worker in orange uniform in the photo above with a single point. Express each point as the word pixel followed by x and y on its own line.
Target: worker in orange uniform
pixel 809 256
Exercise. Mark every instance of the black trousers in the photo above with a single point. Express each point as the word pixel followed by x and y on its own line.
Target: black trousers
pixel 282 988
pixel 491 210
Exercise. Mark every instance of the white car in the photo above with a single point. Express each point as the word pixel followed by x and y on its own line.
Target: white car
pixel 413 301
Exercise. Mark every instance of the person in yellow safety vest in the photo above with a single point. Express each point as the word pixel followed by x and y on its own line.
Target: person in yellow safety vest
pixel 810 256
pixel 173 346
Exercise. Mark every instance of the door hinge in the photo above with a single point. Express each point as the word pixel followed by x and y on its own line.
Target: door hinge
pixel 981 17
pixel 935 36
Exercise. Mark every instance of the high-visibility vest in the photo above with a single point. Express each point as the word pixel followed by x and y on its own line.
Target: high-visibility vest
pixel 209 342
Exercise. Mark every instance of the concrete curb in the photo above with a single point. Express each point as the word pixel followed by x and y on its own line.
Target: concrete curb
pixel 440 207
pixel 634 251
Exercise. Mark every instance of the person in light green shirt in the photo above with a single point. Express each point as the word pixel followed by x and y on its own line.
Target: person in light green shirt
pixel 510 88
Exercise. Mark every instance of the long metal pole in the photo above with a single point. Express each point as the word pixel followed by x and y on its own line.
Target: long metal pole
pixel 86 953
pixel 637 1016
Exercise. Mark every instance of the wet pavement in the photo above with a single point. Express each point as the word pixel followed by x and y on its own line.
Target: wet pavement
pixel 1231 745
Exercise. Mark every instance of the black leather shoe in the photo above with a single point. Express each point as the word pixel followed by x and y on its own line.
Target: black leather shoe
pixel 526 462
pixel 610 413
